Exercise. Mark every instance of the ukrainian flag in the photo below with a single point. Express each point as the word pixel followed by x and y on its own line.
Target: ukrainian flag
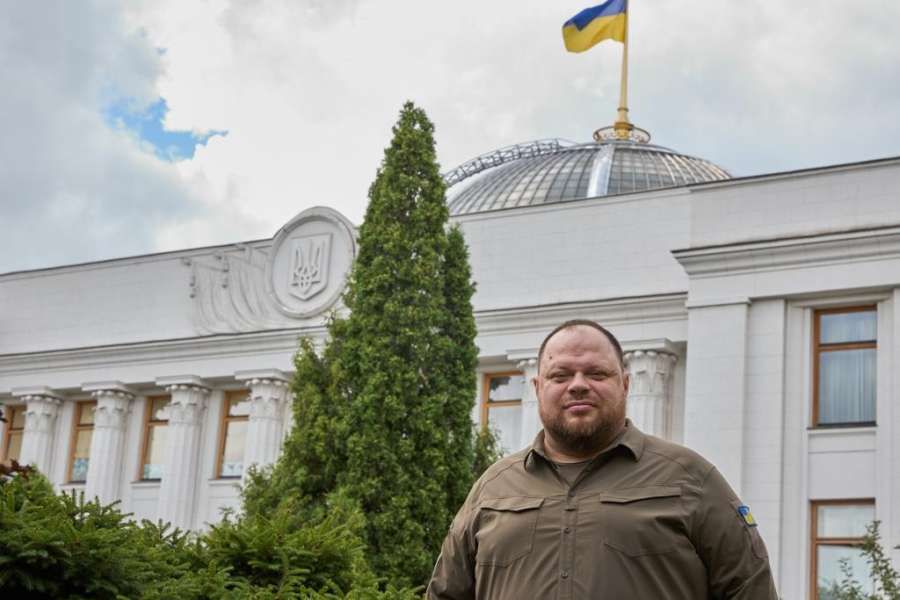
pixel 593 25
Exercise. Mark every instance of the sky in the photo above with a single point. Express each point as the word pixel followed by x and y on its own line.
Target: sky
pixel 135 127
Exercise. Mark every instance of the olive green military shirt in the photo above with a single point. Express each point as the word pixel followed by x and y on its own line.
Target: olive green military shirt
pixel 646 519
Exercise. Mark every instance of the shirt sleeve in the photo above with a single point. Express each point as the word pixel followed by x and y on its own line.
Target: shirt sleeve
pixel 453 577
pixel 729 544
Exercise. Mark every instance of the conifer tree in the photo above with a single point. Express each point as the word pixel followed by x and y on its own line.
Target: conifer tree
pixel 460 362
pixel 383 415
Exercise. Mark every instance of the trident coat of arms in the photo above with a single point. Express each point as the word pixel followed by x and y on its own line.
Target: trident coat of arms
pixel 309 265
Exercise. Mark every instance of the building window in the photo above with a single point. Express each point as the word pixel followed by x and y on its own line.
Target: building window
pixel 844 365
pixel 837 531
pixel 15 429
pixel 233 436
pixel 80 457
pixel 501 409
pixel 155 430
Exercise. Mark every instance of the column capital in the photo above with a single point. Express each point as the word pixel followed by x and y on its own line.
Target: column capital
pixel 518 354
pixel 274 377
pixel 114 389
pixel 172 383
pixel 268 394
pixel 112 407
pixel 528 363
pixel 637 354
pixel 662 345
pixel 35 393
pixel 41 409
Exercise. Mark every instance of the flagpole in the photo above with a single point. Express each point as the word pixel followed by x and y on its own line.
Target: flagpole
pixel 622 126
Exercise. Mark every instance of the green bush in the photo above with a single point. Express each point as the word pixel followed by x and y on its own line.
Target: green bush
pixel 61 546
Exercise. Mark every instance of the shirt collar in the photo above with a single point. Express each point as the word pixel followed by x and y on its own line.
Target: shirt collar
pixel 630 438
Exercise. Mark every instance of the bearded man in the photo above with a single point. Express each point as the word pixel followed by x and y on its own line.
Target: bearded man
pixel 596 509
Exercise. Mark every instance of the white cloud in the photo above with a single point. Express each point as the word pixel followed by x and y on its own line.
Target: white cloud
pixel 308 91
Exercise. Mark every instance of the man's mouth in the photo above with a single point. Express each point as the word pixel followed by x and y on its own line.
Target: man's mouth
pixel 579 406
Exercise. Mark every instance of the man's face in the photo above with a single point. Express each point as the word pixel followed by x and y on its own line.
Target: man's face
pixel 581 390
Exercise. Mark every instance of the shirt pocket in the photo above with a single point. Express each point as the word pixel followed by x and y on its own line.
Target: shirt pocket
pixel 506 529
pixel 643 521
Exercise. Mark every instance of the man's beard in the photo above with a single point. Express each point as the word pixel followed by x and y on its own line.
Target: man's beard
pixel 582 438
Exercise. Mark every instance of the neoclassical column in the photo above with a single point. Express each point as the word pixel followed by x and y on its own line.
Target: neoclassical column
pixel 104 474
pixel 531 419
pixel 181 469
pixel 41 409
pixel 649 402
pixel 269 392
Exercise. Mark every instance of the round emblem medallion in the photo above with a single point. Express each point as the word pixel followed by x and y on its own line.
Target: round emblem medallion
pixel 310 260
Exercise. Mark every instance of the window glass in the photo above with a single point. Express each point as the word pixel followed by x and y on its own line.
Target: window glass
pixel 157 409
pixel 239 406
pixel 18 418
pixel 234 434
pixel 233 453
pixel 12 440
pixel 81 455
pixel 843 520
pixel 508 387
pixel 14 451
pixel 507 421
pixel 156 443
pixel 847 327
pixel 828 570
pixel 86 413
pixel 847 386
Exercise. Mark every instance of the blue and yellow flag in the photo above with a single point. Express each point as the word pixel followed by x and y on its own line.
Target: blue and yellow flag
pixel 593 25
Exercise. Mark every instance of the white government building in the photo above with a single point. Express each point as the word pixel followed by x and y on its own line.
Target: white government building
pixel 759 316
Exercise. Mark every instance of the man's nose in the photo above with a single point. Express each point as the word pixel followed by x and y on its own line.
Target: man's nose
pixel 578 384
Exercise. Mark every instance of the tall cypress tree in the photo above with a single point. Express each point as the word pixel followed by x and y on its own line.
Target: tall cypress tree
pixel 384 414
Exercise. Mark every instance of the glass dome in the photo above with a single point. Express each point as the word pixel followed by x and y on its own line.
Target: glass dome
pixel 557 171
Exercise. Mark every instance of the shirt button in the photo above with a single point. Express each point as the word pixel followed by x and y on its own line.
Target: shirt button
pixel 565 574
pixel 571 494
pixel 567 530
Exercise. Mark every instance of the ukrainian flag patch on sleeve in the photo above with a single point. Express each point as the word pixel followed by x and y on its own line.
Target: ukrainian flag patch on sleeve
pixel 746 515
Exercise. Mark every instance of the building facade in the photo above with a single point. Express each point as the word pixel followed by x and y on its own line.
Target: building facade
pixel 758 315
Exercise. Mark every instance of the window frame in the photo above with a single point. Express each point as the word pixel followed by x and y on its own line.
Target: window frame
pixel 224 420
pixel 9 429
pixel 147 424
pixel 815 541
pixel 486 395
pixel 818 348
pixel 77 427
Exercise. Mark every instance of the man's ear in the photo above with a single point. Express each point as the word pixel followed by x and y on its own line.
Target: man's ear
pixel 626 382
pixel 535 381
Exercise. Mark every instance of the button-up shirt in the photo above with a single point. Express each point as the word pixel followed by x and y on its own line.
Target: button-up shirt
pixel 645 519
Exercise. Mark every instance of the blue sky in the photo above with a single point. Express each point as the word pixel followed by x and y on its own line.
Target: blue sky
pixel 148 124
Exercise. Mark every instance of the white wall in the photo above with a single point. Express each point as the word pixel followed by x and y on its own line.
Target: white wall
pixel 571 252
pixel 817 201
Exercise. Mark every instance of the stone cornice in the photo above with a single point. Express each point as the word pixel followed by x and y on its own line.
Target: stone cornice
pixel 871 244
pixel 156 352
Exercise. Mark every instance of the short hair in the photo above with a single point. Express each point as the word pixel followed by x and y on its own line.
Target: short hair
pixel 584 323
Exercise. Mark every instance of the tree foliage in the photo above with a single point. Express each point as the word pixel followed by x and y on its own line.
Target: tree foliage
pixel 885 577
pixel 383 413
pixel 61 546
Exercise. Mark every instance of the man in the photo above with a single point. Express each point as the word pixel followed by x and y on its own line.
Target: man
pixel 595 508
